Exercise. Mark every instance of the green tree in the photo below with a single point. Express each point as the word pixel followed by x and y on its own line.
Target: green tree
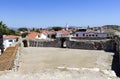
pixel 56 28
pixel 12 32
pixel 23 29
pixel 33 29
pixel 37 30
pixel 24 35
pixel 3 28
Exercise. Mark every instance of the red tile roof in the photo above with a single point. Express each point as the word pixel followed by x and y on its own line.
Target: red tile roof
pixel 47 32
pixel 10 36
pixel 32 35
pixel 64 31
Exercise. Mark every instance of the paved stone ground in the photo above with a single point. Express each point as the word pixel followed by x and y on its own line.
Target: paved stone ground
pixel 57 63
pixel 35 59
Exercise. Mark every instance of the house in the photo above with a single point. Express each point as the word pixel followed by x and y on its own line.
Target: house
pixel 9 40
pixel 50 34
pixel 36 35
pixel 110 32
pixel 44 34
pixel 63 33
pixel 80 32
pixel 92 33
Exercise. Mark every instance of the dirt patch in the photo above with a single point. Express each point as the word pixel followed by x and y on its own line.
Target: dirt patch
pixel 7 58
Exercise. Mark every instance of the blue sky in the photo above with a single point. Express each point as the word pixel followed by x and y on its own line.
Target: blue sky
pixel 43 13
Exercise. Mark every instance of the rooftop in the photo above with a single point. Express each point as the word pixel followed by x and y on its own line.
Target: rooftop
pixel 10 37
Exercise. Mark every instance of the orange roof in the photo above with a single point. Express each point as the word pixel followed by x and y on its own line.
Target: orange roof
pixel 32 35
pixel 47 32
pixel 64 31
pixel 10 36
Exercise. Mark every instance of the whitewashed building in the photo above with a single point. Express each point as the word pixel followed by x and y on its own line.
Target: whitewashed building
pixel 9 40
pixel 63 33
pixel 43 35
pixel 90 34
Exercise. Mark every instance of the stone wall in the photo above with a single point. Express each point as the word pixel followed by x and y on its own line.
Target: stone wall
pixel 91 45
pixel 80 45
pixel 36 43
pixel 84 44
pixel 108 45
pixel 116 57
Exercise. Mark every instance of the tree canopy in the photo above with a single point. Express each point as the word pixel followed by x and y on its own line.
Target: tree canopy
pixel 23 29
pixel 56 28
pixel 5 30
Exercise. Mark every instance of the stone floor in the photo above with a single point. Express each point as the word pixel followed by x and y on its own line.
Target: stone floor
pixel 58 63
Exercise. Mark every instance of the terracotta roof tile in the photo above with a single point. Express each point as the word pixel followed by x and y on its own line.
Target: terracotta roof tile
pixel 47 32
pixel 32 35
pixel 64 31
pixel 10 36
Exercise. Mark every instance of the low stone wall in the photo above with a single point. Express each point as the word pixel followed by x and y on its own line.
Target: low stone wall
pixel 79 45
pixel 37 43
pixel 91 45
pixel 83 44
pixel 7 58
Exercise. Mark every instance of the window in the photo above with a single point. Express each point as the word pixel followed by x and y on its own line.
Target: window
pixel 83 34
pixel 76 35
pixel 93 35
pixel 10 40
pixel 38 36
pixel 90 35
pixel 70 33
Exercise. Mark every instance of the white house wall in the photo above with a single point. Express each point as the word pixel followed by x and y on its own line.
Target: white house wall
pixel 7 44
pixel 80 34
pixel 41 36
pixel 58 34
pixel 102 35
pixel 62 35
